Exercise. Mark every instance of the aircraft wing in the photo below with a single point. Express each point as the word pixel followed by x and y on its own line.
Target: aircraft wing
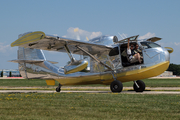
pixel 154 39
pixel 39 40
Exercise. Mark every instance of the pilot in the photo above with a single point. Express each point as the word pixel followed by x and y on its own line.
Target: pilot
pixel 133 57
pixel 137 50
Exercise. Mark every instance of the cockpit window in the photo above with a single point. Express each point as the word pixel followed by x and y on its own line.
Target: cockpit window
pixel 149 45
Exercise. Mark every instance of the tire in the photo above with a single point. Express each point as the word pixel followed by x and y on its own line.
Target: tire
pixel 58 89
pixel 141 85
pixel 116 86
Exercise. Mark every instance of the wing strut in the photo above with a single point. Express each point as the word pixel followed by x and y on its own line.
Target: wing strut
pixel 69 53
pixel 95 58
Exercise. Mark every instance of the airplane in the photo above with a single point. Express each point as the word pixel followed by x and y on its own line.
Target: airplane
pixel 105 56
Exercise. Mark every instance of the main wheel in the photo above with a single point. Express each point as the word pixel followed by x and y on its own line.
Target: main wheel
pixel 58 89
pixel 116 86
pixel 141 85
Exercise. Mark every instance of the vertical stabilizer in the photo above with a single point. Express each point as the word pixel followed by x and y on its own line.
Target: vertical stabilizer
pixel 30 54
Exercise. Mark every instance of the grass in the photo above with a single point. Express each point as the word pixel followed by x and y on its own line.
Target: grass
pixel 88 106
pixel 38 82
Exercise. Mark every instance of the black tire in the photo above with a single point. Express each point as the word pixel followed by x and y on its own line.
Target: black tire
pixel 141 85
pixel 58 89
pixel 116 86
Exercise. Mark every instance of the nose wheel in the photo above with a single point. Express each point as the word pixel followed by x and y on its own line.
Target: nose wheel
pixel 139 86
pixel 116 86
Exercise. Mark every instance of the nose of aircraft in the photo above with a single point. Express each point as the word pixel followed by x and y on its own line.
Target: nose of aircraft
pixel 167 52
pixel 167 56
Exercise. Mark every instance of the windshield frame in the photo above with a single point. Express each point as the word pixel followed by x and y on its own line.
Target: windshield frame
pixel 147 44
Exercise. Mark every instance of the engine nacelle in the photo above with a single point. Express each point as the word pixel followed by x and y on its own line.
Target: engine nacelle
pixel 105 40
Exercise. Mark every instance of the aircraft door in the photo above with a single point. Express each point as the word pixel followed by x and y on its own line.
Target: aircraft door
pixel 115 58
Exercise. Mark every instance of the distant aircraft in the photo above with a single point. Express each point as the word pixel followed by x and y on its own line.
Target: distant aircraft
pixel 109 62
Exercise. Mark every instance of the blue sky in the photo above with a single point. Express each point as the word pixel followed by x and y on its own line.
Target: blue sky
pixel 147 18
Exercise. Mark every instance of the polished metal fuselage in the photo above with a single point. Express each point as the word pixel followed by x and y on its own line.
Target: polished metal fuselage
pixel 39 68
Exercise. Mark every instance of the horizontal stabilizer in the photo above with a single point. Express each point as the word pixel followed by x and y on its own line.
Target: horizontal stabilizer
pixel 27 61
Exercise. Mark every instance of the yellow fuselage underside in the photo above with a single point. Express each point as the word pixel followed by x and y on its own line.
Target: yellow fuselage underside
pixel 123 76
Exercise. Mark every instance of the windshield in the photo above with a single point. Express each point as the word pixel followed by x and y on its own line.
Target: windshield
pixel 149 45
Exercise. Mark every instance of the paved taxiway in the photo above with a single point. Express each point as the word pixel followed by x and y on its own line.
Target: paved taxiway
pixel 123 92
pixel 126 90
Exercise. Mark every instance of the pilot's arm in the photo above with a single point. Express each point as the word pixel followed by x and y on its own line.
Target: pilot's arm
pixel 128 48
pixel 128 44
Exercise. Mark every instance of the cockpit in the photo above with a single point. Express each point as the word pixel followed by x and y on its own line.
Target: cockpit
pixel 138 46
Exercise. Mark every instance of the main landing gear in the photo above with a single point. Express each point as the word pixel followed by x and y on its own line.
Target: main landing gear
pixel 58 89
pixel 117 86
pixel 139 86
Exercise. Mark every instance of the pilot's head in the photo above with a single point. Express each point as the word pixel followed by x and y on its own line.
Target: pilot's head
pixel 131 46
pixel 137 46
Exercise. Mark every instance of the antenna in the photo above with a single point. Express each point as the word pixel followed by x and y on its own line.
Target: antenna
pixel 124 35
pixel 120 35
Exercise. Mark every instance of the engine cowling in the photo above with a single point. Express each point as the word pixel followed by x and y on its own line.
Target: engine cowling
pixel 105 40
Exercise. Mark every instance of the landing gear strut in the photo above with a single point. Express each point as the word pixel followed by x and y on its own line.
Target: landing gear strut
pixel 58 89
pixel 139 86
pixel 116 86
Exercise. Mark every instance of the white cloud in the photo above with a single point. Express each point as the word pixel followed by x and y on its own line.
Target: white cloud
pixel 177 44
pixel 4 48
pixel 79 34
pixel 146 36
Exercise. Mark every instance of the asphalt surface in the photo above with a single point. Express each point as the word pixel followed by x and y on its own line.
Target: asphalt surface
pixel 123 92
pixel 126 90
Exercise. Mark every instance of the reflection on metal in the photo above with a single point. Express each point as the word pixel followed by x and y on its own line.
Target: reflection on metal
pixel 75 66
pixel 33 64
pixel 132 39
pixel 94 58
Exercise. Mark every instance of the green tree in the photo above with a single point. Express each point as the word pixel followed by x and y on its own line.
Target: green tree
pixel 1 73
pixel 10 74
pixel 174 68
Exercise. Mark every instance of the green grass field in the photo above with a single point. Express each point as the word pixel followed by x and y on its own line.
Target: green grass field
pixel 88 106
pixel 37 82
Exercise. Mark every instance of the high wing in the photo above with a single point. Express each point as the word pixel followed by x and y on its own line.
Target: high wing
pixel 39 40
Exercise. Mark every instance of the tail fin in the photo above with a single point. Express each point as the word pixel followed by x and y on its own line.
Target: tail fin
pixel 30 54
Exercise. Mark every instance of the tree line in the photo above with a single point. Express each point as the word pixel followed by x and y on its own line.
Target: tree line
pixel 174 68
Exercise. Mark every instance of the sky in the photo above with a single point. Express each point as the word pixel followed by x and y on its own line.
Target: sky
pixel 146 18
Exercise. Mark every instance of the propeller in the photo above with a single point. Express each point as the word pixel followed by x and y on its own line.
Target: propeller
pixel 169 49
